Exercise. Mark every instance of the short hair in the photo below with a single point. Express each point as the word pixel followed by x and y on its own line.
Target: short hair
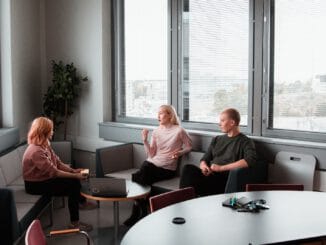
pixel 171 111
pixel 40 131
pixel 233 114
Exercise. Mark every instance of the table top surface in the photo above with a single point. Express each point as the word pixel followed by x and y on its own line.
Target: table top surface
pixel 293 215
pixel 135 191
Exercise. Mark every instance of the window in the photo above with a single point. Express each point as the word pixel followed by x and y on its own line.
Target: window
pixel 264 58
pixel 143 72
pixel 215 55
pixel 299 75
pixel 213 37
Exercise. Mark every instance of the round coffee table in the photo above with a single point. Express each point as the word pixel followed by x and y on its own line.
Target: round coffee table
pixel 134 190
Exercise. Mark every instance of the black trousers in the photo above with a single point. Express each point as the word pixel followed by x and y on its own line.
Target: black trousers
pixel 59 187
pixel 150 173
pixel 204 185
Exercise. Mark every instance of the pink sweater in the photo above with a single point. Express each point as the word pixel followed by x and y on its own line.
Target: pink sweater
pixel 41 164
pixel 164 142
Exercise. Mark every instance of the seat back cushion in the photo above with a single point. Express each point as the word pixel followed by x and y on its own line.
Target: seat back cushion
pixel 114 158
pixel 139 155
pixel 11 166
pixel 192 157
pixel 2 179
pixel 293 168
pixel 21 150
pixel 64 150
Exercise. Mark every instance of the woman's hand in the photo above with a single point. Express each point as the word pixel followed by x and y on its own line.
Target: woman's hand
pixel 176 154
pixel 81 176
pixel 144 135
pixel 204 168
pixel 78 170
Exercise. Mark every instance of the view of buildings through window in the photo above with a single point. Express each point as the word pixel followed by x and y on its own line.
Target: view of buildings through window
pixel 146 52
pixel 215 58
pixel 214 54
pixel 299 65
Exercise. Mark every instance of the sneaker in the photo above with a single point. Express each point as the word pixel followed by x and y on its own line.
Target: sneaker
pixel 81 226
pixel 87 206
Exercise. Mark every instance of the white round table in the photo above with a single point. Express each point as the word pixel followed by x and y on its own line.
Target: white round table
pixel 293 215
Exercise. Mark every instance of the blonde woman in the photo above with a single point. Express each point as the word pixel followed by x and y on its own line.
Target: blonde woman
pixel 44 173
pixel 168 142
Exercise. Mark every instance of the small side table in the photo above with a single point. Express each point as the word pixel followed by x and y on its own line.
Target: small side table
pixel 135 191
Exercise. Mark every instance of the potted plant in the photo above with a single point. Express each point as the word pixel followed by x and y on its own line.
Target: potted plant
pixel 60 98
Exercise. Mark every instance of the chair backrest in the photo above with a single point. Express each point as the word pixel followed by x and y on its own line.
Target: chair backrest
pixel 64 150
pixel 293 168
pixel 34 234
pixel 171 197
pixel 271 187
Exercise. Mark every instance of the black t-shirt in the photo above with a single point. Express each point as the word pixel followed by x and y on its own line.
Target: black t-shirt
pixel 224 150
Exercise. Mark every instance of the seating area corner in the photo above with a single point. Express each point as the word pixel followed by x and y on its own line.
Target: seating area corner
pixel 121 161
pixel 21 208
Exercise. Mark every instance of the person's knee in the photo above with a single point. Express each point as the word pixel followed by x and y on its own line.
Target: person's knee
pixel 74 187
pixel 75 184
pixel 139 177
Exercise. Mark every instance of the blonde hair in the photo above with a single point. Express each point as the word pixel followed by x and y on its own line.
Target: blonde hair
pixel 40 131
pixel 171 111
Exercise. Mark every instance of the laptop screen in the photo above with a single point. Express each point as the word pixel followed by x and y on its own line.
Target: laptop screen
pixel 108 187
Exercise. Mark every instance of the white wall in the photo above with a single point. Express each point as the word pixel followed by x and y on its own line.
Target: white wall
pixel 20 61
pixel 78 31
pixel 35 32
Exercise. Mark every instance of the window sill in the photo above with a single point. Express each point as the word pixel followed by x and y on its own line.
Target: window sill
pixel 202 133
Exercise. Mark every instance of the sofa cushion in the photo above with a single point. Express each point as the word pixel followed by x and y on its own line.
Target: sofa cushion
pixel 11 166
pixel 60 148
pixel 116 159
pixel 125 174
pixel 21 196
pixel 122 160
pixel 23 209
pixel 139 155
pixel 2 179
pixel 19 181
pixel 21 150
pixel 170 184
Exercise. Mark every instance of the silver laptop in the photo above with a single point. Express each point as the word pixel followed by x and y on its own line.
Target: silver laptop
pixel 108 187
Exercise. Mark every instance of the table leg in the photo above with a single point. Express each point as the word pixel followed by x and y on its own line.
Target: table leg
pixel 116 221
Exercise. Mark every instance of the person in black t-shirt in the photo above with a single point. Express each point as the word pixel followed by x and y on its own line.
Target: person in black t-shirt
pixel 226 152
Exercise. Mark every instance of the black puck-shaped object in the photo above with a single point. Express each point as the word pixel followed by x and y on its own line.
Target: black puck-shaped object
pixel 178 220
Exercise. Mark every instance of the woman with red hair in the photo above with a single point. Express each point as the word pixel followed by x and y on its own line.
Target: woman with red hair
pixel 44 173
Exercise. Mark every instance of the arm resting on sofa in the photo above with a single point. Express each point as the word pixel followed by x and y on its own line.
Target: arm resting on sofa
pixel 9 228
pixel 64 150
pixel 114 158
pixel 238 178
